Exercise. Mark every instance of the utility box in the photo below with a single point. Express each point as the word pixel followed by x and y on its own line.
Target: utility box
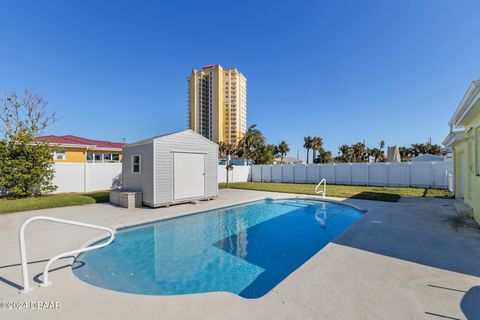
pixel 173 168
pixel 126 198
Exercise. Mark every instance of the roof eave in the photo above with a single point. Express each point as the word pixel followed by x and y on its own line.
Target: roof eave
pixel 470 99
pixel 85 146
pixel 69 145
pixel 106 149
pixel 453 138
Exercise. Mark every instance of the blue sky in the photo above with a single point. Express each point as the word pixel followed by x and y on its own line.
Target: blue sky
pixel 344 70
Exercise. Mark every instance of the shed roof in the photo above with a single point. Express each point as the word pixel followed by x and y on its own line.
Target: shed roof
pixel 159 137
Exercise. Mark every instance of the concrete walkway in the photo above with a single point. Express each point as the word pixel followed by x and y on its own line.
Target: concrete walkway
pixel 413 259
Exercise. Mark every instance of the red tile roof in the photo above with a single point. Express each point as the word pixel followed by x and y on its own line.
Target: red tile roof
pixel 69 139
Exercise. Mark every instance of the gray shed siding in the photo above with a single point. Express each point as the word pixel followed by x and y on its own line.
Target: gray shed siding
pixel 143 181
pixel 186 141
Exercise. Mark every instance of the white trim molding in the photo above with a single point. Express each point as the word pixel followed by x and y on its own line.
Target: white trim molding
pixel 470 100
pixel 453 138
pixel 139 164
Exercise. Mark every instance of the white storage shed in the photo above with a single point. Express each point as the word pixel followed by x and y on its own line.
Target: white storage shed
pixel 172 168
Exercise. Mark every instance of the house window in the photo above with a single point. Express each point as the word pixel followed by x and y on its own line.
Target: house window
pixel 111 157
pixel 107 157
pixel 89 157
pixel 60 155
pixel 136 166
pixel 103 157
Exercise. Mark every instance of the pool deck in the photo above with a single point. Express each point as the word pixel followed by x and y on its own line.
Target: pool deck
pixel 413 259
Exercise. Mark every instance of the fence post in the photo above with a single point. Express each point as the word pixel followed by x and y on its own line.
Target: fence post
pixel 350 174
pixel 386 174
pixel 432 175
pixel 368 173
pixel 408 174
pixel 85 175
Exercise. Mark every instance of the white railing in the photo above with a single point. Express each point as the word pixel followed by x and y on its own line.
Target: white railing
pixel 324 191
pixel 23 253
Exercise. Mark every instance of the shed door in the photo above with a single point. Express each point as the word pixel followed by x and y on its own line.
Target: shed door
pixel 188 175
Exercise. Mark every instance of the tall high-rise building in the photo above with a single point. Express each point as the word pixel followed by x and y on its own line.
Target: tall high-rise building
pixel 217 103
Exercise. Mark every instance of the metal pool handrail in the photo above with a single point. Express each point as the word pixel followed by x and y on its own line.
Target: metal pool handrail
pixel 23 253
pixel 324 191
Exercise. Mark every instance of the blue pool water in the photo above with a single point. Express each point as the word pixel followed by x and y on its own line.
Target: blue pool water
pixel 246 249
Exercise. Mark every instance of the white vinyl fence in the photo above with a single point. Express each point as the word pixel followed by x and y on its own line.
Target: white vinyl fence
pixel 79 177
pixel 238 174
pixel 389 174
pixel 85 177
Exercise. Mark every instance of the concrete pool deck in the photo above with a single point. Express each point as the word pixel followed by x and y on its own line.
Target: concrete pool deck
pixel 413 259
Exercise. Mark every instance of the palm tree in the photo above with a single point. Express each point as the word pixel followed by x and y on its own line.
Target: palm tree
pixel 345 154
pixel 359 151
pixel 283 149
pixel 435 149
pixel 252 139
pixel 307 144
pixel 382 144
pixel 230 149
pixel 317 143
pixel 264 153
pixel 222 149
pixel 405 153
pixel 324 156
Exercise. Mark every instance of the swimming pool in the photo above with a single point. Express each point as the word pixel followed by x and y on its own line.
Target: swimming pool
pixel 246 249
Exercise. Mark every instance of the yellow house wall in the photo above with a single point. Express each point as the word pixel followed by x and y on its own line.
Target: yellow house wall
pixel 77 155
pixel 459 153
pixel 73 155
pixel 472 180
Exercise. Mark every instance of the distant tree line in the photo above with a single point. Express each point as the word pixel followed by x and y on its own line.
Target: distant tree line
pixel 253 147
pixel 359 152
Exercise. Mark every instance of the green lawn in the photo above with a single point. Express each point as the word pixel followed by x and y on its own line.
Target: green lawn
pixel 52 201
pixel 355 192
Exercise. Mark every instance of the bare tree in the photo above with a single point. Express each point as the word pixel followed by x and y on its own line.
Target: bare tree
pixel 26 114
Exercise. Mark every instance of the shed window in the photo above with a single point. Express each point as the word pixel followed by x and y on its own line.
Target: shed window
pixel 136 164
